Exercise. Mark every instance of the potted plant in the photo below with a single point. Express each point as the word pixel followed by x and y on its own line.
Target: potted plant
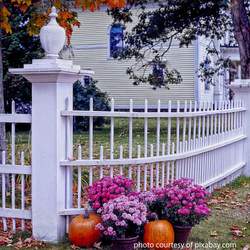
pixel 155 202
pixel 158 231
pixel 123 219
pixel 186 206
pixel 107 189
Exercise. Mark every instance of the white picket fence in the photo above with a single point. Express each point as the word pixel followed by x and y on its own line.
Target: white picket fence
pixel 204 142
pixel 13 172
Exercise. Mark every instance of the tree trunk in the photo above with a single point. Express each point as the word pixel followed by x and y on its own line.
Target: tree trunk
pixel 242 35
pixel 2 125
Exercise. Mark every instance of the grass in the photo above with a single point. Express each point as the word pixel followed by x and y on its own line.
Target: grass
pixel 102 137
pixel 229 222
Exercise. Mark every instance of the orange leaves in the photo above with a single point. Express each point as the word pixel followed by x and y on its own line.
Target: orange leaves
pixel 36 22
pixel 57 4
pixel 116 3
pixel 5 13
pixel 94 5
pixel 4 19
pixel 21 4
pixel 67 18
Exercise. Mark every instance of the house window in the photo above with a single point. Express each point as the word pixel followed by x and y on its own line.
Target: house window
pixel 158 73
pixel 116 40
pixel 207 67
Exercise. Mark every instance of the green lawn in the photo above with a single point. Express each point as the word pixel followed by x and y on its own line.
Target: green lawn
pixel 229 223
pixel 102 137
pixel 230 220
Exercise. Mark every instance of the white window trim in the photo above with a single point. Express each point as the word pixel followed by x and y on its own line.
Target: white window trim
pixel 109 57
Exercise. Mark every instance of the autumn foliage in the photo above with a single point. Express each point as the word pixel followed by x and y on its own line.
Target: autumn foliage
pixel 67 18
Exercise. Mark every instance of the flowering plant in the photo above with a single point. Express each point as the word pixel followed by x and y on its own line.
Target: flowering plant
pixel 155 204
pixel 186 203
pixel 122 217
pixel 108 188
pixel 182 202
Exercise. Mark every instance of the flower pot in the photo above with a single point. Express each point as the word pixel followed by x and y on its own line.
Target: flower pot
pixel 124 243
pixel 181 234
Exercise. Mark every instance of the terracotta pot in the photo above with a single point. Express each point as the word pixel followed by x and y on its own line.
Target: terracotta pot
pixel 181 234
pixel 124 243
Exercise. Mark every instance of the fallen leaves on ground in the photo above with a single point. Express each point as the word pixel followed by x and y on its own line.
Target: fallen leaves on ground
pixel 213 234
pixel 7 239
pixel 74 247
pixel 226 198
pixel 28 243
pixel 237 231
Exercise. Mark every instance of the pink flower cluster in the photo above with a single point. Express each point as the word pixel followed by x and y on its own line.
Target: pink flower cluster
pixel 186 203
pixel 122 217
pixel 147 197
pixel 107 189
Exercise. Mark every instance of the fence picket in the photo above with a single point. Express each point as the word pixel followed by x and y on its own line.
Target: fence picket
pixel 158 129
pixel 138 186
pixel 91 108
pixel 22 191
pixel 13 161
pixel 151 167
pixel 199 123
pixel 112 137
pixel 189 125
pixel 215 118
pixel 195 118
pixel 4 190
pixel 130 142
pixel 184 122
pixel 163 165
pixel 146 129
pixel 101 158
pixel 178 127
pixel 79 177
pixel 121 157
pixel 173 163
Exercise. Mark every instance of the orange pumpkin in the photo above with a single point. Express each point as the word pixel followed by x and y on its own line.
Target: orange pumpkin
pixel 159 233
pixel 82 231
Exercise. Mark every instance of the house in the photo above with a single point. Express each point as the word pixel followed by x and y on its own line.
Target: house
pixel 93 45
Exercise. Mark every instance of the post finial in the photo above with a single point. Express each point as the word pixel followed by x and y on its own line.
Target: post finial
pixel 52 36
pixel 53 12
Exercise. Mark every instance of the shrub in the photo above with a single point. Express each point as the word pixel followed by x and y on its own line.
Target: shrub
pixel 122 217
pixel 81 100
pixel 108 188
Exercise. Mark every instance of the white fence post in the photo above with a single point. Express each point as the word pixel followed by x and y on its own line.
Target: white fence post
pixel 52 82
pixel 241 89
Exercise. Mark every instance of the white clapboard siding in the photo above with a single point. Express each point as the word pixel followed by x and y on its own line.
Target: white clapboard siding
pixel 91 49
